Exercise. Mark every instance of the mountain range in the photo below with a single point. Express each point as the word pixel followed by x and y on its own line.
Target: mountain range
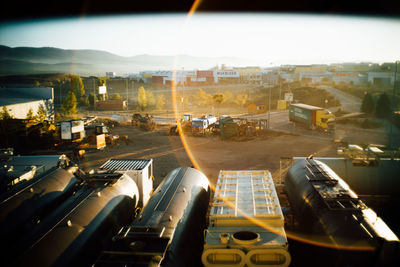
pixel 31 60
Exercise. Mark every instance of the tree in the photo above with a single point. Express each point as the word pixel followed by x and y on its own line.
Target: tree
pixel 92 98
pixel 383 109
pixel 69 105
pixel 77 87
pixel 160 102
pixel 203 98
pixel 30 115
pixel 4 115
pixel 151 101
pixel 142 99
pixel 228 97
pixel 41 114
pixel 116 96
pixel 241 99
pixel 219 98
pixel 367 105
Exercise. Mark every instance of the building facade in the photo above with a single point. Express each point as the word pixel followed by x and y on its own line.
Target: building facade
pixel 18 101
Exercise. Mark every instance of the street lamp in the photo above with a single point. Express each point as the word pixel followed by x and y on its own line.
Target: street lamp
pixel 394 104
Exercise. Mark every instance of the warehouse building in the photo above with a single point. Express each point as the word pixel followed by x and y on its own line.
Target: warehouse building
pixel 18 101
pixel 349 78
pixel 381 78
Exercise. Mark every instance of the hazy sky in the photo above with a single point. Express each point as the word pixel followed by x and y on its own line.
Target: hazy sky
pixel 276 39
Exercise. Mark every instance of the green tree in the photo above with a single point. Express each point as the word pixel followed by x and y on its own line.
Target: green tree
pixel 142 98
pixel 30 115
pixel 4 115
pixel 160 102
pixel 92 98
pixel 85 101
pixel 69 105
pixel 41 114
pixel 116 96
pixel 367 105
pixel 219 98
pixel 383 109
pixel 77 87
pixel 151 101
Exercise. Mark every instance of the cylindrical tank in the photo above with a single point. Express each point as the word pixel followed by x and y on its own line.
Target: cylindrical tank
pixel 20 212
pixel 330 212
pixel 95 213
pixel 169 230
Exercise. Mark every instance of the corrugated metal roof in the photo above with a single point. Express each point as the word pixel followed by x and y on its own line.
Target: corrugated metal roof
pixel 126 164
pixel 245 193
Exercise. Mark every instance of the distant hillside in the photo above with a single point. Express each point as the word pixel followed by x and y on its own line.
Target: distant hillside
pixel 29 60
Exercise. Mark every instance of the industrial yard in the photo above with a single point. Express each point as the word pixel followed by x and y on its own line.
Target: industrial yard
pixel 204 140
pixel 211 153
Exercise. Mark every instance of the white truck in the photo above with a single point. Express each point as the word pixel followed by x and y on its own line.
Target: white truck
pixel 203 124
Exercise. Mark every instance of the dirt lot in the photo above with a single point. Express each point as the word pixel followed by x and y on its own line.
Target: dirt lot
pixel 211 153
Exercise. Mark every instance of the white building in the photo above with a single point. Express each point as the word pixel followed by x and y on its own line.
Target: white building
pixel 314 75
pixel 349 77
pixel 289 77
pixel 384 78
pixel 18 101
pixel 111 74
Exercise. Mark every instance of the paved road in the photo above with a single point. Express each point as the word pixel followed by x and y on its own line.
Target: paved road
pixel 223 87
pixel 348 102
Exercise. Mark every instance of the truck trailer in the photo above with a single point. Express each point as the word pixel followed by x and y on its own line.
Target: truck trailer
pixel 312 117
pixel 204 124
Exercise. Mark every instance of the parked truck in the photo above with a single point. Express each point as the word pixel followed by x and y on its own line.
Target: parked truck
pixel 204 124
pixel 312 117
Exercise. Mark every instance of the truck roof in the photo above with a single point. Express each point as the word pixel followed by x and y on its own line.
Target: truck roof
pixel 305 106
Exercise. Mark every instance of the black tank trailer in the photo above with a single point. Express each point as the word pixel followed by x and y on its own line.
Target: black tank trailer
pixel 73 234
pixel 169 230
pixel 341 229
pixel 21 211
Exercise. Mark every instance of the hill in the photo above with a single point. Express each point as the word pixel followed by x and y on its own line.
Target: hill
pixel 30 60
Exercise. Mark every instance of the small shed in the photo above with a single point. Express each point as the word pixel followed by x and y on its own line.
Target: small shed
pixel 140 170
pixel 254 108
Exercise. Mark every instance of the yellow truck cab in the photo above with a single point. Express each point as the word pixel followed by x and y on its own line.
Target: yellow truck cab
pixel 312 117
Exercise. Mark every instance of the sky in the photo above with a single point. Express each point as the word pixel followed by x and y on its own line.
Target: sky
pixel 270 39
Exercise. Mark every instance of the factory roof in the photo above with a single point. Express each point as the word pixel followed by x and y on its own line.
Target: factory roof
pixel 12 96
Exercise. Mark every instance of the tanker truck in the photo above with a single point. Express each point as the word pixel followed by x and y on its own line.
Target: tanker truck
pixel 312 117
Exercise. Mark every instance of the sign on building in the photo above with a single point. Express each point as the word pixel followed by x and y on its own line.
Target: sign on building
pixel 102 89
pixel 289 97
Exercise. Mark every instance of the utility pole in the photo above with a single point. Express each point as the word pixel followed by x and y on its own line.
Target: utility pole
pixel 127 93
pixel 183 104
pixel 94 94
pixel 269 107
pixel 394 105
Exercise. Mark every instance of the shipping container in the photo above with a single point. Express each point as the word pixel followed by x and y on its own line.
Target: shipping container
pixel 312 117
pixel 111 105
pixel 205 73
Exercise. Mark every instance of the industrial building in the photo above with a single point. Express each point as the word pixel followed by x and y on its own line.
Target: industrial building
pixel 18 101
pixel 381 78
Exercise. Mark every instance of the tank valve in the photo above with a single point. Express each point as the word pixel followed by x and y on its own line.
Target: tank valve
pixel 224 238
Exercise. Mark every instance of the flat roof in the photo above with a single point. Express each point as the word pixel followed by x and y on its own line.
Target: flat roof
pixel 126 164
pixel 12 96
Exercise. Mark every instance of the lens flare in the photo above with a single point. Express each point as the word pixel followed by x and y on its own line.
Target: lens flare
pixel 311 240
